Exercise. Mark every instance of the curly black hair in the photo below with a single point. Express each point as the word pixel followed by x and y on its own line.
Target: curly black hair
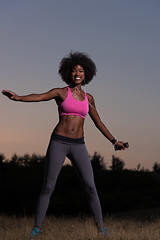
pixel 74 59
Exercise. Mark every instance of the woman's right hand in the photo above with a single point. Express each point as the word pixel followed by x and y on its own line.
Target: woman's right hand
pixel 11 95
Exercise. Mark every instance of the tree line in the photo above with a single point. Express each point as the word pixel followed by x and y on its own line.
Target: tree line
pixel 119 189
pixel 97 160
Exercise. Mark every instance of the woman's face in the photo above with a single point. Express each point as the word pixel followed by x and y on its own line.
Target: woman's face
pixel 77 74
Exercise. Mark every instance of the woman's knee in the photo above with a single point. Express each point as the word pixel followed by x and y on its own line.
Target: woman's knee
pixel 47 189
pixel 91 189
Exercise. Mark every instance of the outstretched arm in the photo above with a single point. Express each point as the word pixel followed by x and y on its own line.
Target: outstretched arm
pixel 32 97
pixel 100 125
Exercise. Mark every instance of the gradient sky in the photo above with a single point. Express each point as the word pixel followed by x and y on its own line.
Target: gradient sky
pixel 122 37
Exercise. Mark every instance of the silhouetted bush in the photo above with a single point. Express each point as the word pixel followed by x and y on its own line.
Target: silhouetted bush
pixel 156 167
pixel 2 157
pixel 117 164
pixel 97 161
pixel 26 160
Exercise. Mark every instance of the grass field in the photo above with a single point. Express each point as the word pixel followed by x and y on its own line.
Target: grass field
pixel 124 227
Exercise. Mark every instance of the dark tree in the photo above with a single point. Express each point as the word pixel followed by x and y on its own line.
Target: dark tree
pixel 156 167
pixel 2 157
pixel 97 161
pixel 117 164
pixel 26 160
pixel 14 159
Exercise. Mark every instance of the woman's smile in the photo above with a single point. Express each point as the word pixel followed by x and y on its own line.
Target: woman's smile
pixel 78 74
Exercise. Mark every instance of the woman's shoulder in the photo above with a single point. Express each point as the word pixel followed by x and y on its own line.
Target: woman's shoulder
pixel 90 97
pixel 59 90
pixel 63 90
pixel 62 93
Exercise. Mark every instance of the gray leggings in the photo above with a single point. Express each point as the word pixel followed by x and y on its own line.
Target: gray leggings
pixel 77 153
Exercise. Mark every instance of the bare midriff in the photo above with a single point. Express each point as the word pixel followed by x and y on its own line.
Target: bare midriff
pixel 70 126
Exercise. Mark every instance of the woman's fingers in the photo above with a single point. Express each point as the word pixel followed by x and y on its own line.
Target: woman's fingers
pixel 8 93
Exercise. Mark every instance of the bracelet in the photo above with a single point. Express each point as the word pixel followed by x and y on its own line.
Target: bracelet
pixel 114 141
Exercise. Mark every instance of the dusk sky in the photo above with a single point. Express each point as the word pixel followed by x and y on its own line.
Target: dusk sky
pixel 123 39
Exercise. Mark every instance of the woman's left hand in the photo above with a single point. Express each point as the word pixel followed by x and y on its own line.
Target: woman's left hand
pixel 119 146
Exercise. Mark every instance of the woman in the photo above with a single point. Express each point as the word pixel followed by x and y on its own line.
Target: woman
pixel 67 139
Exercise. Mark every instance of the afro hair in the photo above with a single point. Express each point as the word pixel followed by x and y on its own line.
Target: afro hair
pixel 74 59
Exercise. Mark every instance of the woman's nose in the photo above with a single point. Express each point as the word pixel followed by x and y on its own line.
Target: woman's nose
pixel 76 73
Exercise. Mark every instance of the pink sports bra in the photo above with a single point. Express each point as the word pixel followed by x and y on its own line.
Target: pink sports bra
pixel 71 106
